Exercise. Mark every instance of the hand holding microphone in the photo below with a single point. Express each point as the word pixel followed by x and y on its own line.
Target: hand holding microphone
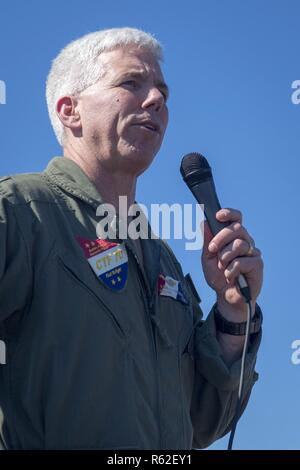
pixel 232 265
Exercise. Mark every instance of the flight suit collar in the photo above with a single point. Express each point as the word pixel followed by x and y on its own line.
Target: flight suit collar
pixel 71 178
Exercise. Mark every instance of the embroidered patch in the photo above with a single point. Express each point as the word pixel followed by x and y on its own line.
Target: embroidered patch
pixel 108 260
pixel 169 287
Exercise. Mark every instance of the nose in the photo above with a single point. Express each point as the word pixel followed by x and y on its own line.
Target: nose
pixel 155 99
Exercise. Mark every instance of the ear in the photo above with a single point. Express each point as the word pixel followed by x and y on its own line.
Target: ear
pixel 68 113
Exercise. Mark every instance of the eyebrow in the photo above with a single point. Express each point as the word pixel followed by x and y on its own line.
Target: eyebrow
pixel 158 83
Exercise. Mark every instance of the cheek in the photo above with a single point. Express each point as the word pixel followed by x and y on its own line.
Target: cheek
pixel 104 117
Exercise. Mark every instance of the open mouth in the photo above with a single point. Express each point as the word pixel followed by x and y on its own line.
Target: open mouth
pixel 148 126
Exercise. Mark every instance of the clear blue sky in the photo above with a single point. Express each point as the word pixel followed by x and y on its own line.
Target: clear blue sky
pixel 230 65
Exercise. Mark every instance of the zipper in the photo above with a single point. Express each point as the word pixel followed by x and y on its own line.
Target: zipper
pixel 149 305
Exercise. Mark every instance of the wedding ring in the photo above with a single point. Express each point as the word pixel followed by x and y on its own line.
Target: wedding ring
pixel 251 250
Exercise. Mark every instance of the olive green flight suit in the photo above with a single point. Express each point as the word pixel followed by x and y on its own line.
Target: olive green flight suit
pixel 89 366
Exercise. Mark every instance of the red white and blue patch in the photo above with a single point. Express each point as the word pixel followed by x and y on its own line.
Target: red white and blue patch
pixel 108 260
pixel 169 287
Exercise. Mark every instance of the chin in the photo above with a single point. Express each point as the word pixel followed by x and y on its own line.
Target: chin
pixel 138 160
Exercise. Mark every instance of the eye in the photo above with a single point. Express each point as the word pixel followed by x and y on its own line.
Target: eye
pixel 165 95
pixel 130 83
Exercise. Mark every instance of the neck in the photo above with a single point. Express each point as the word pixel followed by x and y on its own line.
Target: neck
pixel 109 182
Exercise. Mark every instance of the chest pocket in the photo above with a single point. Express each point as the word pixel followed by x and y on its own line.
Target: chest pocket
pixel 89 292
pixel 176 316
pixel 179 318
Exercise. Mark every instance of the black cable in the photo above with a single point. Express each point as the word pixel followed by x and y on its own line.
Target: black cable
pixel 242 375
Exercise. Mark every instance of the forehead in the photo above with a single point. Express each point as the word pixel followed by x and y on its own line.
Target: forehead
pixel 131 58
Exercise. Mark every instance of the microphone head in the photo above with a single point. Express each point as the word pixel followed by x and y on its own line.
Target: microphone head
pixel 195 169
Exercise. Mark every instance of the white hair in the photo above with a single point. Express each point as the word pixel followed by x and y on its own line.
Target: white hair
pixel 77 66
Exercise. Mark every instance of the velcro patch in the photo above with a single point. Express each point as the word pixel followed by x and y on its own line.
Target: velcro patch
pixel 108 260
pixel 169 287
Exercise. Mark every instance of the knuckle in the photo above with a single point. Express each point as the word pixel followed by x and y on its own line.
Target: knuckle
pixel 236 226
pixel 238 243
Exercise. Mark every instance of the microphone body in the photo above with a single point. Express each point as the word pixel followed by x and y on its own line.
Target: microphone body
pixel 197 175
pixel 205 193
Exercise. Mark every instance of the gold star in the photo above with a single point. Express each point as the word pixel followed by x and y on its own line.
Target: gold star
pixel 113 282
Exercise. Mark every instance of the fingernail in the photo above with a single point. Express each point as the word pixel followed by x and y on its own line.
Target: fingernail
pixel 220 266
pixel 212 247
pixel 224 213
pixel 228 271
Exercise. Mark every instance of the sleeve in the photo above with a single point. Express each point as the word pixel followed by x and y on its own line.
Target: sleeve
pixel 216 385
pixel 15 273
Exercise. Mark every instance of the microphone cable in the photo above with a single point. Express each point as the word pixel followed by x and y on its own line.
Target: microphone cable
pixel 242 375
pixel 197 174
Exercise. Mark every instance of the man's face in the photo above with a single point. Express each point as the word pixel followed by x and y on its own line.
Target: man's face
pixel 124 115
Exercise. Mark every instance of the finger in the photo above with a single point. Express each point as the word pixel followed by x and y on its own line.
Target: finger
pixel 235 249
pixel 207 237
pixel 227 235
pixel 244 265
pixel 229 215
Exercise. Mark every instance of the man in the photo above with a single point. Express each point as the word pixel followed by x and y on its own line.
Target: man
pixel 105 346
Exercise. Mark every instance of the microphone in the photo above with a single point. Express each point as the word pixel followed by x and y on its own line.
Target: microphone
pixel 197 174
